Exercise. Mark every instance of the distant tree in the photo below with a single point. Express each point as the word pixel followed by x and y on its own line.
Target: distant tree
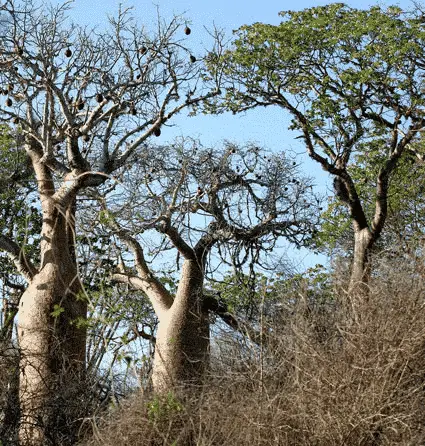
pixel 352 80
pixel 209 206
pixel 81 104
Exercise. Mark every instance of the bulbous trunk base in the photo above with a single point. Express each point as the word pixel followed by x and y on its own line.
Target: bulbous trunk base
pixel 182 341
pixel 181 353
pixel 52 356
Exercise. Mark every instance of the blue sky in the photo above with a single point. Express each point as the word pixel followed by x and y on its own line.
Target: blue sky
pixel 267 127
pixel 226 13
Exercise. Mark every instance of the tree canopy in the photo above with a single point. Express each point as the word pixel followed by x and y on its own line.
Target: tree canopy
pixel 352 80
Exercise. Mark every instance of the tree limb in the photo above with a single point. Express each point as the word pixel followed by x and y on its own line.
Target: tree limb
pixel 17 255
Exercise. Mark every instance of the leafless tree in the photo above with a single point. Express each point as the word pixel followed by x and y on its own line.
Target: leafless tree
pixel 227 205
pixel 82 103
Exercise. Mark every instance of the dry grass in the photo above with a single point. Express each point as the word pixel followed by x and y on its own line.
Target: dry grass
pixel 338 373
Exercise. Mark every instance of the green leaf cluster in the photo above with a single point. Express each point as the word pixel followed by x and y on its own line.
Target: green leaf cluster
pixel 162 407
pixel 331 62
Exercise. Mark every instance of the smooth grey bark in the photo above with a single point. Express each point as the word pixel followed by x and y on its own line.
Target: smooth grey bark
pixel 361 264
pixel 52 344
pixel 182 341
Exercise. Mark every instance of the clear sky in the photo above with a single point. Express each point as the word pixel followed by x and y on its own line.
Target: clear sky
pixel 267 127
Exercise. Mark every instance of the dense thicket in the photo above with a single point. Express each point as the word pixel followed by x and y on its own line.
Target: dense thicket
pixel 327 373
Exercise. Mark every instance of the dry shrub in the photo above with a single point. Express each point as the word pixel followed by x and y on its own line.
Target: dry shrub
pixel 9 400
pixel 336 372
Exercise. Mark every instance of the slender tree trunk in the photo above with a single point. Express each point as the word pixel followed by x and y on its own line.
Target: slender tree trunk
pixel 361 266
pixel 52 343
pixel 182 342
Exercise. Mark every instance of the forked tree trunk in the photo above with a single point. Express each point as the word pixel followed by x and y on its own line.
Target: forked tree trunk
pixel 182 345
pixel 52 343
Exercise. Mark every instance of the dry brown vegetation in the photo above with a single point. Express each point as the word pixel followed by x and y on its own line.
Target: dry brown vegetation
pixel 330 372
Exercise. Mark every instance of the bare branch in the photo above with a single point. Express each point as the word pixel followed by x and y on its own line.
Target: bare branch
pixel 17 255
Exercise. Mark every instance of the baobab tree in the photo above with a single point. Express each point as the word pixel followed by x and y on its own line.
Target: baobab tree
pixel 81 103
pixel 208 205
pixel 352 80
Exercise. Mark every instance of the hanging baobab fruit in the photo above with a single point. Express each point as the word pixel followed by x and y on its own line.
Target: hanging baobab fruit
pixel 143 50
pixel 68 52
pixel 80 105
pixel 187 30
pixel 9 102
pixel 99 97
pixel 192 58
pixel 157 131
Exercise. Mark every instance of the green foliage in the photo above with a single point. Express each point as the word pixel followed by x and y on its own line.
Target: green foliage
pixel 161 408
pixel 20 218
pixel 105 218
pixel 57 311
pixel 406 204
pixel 335 228
pixel 335 59
pixel 263 295
pixel 406 200
pixel 315 284
pixel 353 82
pixel 245 294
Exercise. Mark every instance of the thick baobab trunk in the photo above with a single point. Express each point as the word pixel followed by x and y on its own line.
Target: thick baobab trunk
pixel 361 267
pixel 51 341
pixel 182 346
